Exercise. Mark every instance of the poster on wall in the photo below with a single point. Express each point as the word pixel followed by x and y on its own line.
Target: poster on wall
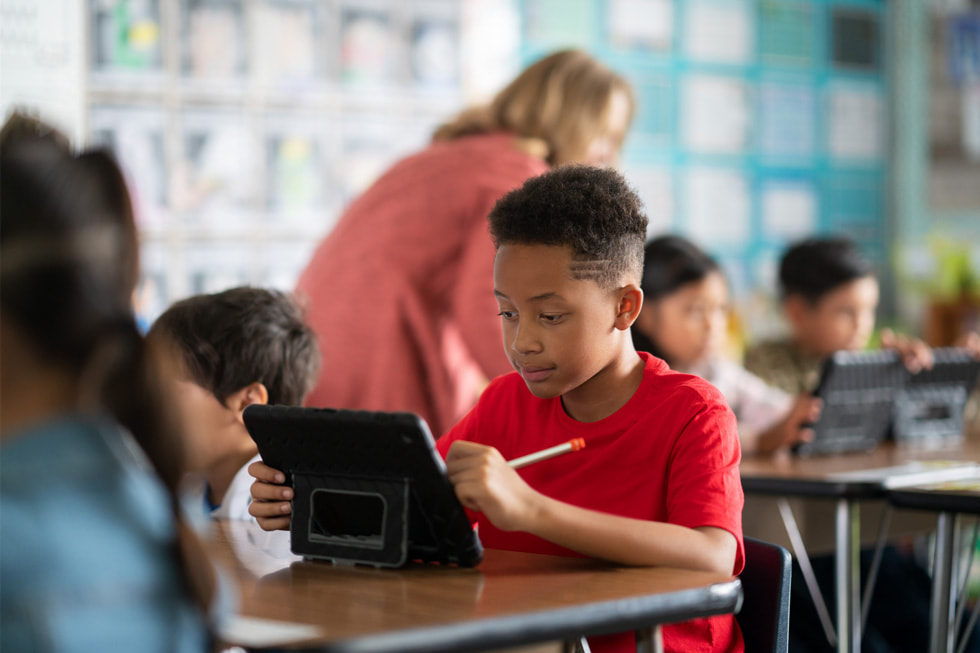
pixel 716 116
pixel 655 186
pixel 787 120
pixel 554 24
pixel 718 206
pixel 640 25
pixel 789 209
pixel 855 122
pixel 719 31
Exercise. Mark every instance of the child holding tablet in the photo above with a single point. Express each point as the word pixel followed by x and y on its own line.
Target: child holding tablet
pixel 232 349
pixel 657 483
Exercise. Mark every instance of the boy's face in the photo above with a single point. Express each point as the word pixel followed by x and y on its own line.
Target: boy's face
pixel 559 332
pixel 842 319
pixel 212 428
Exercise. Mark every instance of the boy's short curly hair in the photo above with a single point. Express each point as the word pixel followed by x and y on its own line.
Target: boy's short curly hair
pixel 593 211
pixel 816 266
pixel 231 339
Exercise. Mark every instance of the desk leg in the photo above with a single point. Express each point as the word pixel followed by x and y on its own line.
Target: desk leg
pixel 847 562
pixel 649 640
pixel 942 634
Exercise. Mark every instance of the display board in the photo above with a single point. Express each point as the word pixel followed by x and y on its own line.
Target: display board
pixel 758 122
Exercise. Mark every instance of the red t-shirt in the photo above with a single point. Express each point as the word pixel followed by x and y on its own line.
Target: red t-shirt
pixel 400 293
pixel 671 454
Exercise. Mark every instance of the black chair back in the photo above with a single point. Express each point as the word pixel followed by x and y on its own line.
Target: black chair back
pixel 764 616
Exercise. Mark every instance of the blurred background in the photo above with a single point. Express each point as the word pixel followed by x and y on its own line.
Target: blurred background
pixel 245 126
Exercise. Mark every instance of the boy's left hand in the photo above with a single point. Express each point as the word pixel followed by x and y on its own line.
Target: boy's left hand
pixel 485 482
pixel 914 352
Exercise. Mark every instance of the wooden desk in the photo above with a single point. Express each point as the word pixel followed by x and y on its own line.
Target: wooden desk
pixel 847 479
pixel 510 599
pixel 947 500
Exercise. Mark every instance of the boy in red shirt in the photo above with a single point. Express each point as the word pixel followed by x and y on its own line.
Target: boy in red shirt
pixel 657 483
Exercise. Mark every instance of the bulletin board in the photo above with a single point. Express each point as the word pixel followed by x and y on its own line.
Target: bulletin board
pixel 758 122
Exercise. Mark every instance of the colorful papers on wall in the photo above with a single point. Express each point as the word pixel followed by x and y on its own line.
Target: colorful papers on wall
pixel 716 115
pixel 789 209
pixel 855 122
pixel 719 30
pixel 641 24
pixel 787 120
pixel 718 206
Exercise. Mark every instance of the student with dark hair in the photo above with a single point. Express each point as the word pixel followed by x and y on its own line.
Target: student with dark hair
pixel 96 555
pixel 657 483
pixel 829 296
pixel 234 348
pixel 684 321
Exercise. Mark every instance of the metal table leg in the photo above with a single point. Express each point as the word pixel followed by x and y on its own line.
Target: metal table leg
pixel 941 633
pixel 847 563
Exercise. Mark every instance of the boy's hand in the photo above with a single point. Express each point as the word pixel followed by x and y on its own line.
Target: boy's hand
pixel 970 341
pixel 485 482
pixel 270 498
pixel 914 352
pixel 794 428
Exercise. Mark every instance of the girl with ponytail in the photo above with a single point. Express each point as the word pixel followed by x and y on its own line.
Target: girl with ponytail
pixel 95 555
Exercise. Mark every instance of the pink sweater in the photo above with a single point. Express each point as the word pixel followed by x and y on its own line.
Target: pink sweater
pixel 400 293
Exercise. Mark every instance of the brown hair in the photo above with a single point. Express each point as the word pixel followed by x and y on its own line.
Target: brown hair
pixel 562 101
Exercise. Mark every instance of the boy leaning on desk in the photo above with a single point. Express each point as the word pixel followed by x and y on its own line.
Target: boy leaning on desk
pixel 658 482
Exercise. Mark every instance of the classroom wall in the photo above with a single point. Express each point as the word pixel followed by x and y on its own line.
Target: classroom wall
pixel 759 120
pixel 936 199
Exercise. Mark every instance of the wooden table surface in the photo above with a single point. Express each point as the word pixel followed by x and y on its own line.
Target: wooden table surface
pixel 808 476
pixel 511 598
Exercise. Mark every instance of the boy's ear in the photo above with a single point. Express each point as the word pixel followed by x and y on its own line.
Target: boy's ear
pixel 630 305
pixel 253 393
pixel 796 308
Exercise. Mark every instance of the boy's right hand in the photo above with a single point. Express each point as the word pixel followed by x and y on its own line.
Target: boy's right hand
pixel 270 505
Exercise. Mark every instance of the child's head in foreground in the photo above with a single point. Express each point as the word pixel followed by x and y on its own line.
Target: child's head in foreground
pixel 566 274
pixel 684 319
pixel 235 348
pixel 829 293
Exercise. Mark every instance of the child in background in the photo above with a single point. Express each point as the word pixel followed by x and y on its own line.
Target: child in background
pixel 234 348
pixel 829 297
pixel 684 321
pixel 96 554
pixel 658 482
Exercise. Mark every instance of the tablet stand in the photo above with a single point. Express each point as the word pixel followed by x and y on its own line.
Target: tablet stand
pixel 369 487
pixel 351 520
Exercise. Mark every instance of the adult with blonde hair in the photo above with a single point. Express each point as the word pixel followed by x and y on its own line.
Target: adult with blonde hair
pixel 400 293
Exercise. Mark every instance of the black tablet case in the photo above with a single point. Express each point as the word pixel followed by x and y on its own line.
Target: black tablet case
pixel 869 393
pixel 930 405
pixel 369 486
pixel 858 390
